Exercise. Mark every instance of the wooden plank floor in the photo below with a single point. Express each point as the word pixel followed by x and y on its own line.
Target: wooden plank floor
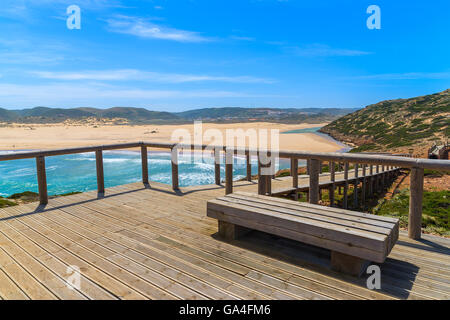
pixel 153 243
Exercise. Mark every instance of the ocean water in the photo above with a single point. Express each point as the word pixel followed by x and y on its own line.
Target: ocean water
pixel 77 172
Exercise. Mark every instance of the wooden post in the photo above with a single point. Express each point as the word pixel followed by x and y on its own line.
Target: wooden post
pixel 229 171
pixel 314 181
pixel 308 166
pixel 355 187
pixel 364 188
pixel 249 166
pixel 144 160
pixel 264 179
pixel 217 166
pixel 294 172
pixel 320 172
pixel 383 178
pixel 100 174
pixel 377 183
pixel 42 180
pixel 345 200
pixel 175 185
pixel 269 178
pixel 415 203
pixel 332 179
pixel 371 180
pixel 261 182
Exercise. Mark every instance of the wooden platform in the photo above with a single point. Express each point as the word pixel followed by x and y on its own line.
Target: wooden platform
pixel 152 243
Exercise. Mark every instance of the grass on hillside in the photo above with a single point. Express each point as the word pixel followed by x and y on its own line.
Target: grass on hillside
pixel 6 203
pixel 26 197
pixel 436 207
pixel 395 123
pixel 435 214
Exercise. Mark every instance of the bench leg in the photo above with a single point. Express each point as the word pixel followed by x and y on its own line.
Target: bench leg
pixel 231 231
pixel 348 264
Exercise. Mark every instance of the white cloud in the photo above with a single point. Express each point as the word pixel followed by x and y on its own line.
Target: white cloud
pixel 131 74
pixel 141 28
pixel 320 50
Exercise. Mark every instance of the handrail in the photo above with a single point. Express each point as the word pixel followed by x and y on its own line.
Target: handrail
pixel 399 161
pixel 376 179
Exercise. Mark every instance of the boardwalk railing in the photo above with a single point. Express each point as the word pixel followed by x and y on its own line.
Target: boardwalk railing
pixel 380 167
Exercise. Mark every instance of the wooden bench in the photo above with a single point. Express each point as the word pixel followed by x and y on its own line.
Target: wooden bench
pixel 354 238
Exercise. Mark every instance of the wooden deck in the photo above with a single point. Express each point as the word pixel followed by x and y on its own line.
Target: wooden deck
pixel 153 243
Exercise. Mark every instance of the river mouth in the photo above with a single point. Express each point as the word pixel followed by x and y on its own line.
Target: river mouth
pixel 315 130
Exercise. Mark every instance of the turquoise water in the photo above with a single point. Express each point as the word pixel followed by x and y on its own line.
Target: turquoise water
pixel 77 172
pixel 304 130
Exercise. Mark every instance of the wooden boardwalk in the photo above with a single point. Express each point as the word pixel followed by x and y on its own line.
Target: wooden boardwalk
pixel 141 242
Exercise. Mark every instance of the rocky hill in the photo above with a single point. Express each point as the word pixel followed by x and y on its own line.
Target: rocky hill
pixel 395 125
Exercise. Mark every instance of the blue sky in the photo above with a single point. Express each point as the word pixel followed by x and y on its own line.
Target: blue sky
pixel 176 55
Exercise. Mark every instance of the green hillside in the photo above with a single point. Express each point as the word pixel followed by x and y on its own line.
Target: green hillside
pixel 395 124
pixel 56 115
pixel 141 115
pixel 274 114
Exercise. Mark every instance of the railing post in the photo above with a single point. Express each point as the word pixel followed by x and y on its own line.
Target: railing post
pixel 229 171
pixel 42 180
pixel 364 188
pixel 144 160
pixel 377 184
pixel 320 172
pixel 270 176
pixel 217 166
pixel 415 203
pixel 355 186
pixel 260 182
pixel 371 180
pixel 100 174
pixel 249 165
pixel 264 177
pixel 294 173
pixel 332 179
pixel 314 181
pixel 174 153
pixel 345 200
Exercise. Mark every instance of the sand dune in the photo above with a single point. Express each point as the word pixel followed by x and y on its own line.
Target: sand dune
pixel 52 136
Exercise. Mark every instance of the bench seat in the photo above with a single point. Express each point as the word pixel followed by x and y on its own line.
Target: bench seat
pixel 354 238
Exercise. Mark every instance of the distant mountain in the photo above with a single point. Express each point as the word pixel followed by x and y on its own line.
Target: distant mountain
pixel 141 115
pixel 252 114
pixel 133 114
pixel 56 115
pixel 52 113
pixel 395 124
pixel 7 115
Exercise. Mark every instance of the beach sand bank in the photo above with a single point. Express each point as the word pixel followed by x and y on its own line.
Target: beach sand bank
pixel 55 136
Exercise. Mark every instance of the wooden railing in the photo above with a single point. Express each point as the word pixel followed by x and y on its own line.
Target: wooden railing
pixel 388 165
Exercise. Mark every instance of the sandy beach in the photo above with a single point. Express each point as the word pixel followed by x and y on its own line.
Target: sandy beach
pixel 55 136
